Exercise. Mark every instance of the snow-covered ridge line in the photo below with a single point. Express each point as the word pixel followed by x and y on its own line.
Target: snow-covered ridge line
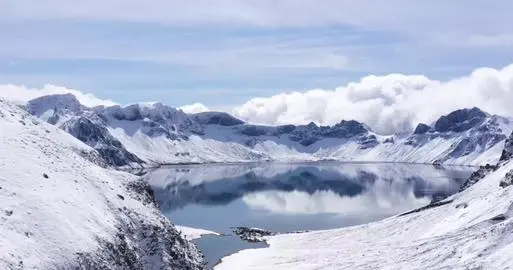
pixel 60 210
pixel 149 135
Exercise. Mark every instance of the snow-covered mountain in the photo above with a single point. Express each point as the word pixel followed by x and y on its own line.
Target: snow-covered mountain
pixel 145 135
pixel 61 210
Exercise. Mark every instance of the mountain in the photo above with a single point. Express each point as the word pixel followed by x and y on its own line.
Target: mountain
pixel 142 135
pixel 62 210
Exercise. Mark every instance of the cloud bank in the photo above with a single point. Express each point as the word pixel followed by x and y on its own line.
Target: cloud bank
pixel 194 108
pixel 388 104
pixel 22 94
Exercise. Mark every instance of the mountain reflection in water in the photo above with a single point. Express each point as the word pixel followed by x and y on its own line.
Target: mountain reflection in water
pixel 286 197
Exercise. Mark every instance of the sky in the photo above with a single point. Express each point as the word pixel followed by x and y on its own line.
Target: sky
pixel 261 60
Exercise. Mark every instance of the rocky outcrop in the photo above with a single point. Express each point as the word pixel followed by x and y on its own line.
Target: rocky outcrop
pixel 507 181
pixel 460 120
pixel 217 118
pixel 96 135
pixel 507 153
pixel 140 244
pixel 421 129
pixel 252 234
pixel 477 176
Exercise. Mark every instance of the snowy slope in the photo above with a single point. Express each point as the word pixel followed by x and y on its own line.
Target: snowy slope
pixel 152 134
pixel 193 233
pixel 473 230
pixel 60 210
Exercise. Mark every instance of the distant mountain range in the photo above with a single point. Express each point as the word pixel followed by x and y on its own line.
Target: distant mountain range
pixel 148 135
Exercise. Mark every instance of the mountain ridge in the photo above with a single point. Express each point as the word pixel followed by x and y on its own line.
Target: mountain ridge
pixel 152 134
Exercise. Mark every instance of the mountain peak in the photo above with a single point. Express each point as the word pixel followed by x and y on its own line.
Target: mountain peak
pixel 217 118
pixel 421 129
pixel 51 108
pixel 460 120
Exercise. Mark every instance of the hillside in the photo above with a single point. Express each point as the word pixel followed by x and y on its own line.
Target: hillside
pixel 62 210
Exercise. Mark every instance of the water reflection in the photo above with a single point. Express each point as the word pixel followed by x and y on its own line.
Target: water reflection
pixel 285 197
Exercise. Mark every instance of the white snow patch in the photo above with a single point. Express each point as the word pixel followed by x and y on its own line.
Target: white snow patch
pixel 193 233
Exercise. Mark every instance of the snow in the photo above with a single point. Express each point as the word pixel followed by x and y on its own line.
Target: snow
pixel 444 237
pixel 55 202
pixel 193 233
pixel 159 134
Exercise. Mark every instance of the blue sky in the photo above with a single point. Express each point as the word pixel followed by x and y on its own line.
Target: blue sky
pixel 226 52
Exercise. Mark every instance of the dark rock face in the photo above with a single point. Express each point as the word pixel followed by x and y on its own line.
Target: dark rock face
pixel 389 140
pixel 422 129
pixel 97 136
pixel 460 120
pixel 285 129
pixel 140 244
pixel 507 153
pixel 254 131
pixel 344 129
pixel 429 206
pixel 507 181
pixel 158 119
pixel 311 133
pixel 217 118
pixel 477 176
pixel 367 142
pixel 252 234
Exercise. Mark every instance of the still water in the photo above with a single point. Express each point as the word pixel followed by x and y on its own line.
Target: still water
pixel 293 197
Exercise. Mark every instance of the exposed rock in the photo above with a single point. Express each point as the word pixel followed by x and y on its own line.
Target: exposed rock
pixel 477 175
pixel 389 140
pixel 429 206
pixel 141 244
pixel 367 142
pixel 461 205
pixel 217 118
pixel 507 181
pixel 500 217
pixel 252 234
pixel 460 120
pixel 507 153
pixel 96 135
pixel 253 131
pixel 421 129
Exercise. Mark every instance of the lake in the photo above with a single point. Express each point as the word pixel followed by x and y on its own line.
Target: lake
pixel 293 197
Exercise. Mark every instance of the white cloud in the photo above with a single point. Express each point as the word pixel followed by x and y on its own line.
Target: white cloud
pixel 194 108
pixel 384 198
pixel 22 94
pixel 388 104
